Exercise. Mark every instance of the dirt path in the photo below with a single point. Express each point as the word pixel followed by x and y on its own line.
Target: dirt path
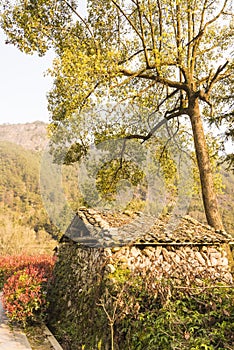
pixel 34 338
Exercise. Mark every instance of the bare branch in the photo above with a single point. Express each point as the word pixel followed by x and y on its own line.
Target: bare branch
pixel 152 29
pixel 203 15
pixel 133 55
pixel 130 76
pixel 197 39
pixel 217 16
pixel 204 97
pixel 166 98
pixel 216 77
pixel 160 24
pixel 189 20
pixel 158 79
pixel 127 18
pixel 142 34
pixel 177 112
pixel 88 95
pixel 178 32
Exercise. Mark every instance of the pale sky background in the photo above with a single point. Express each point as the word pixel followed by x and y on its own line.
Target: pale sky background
pixel 23 86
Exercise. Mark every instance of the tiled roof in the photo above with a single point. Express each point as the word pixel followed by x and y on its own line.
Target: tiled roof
pixel 104 229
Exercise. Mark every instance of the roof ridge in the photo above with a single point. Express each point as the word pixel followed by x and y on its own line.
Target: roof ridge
pixel 93 217
pixel 196 222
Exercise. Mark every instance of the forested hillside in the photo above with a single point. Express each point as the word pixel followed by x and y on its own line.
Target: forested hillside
pixel 24 219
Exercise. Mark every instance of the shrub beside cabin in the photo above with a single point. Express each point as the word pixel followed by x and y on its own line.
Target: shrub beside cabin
pixel 100 253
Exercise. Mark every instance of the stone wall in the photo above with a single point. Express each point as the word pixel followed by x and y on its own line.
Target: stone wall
pixel 73 296
pixel 185 264
pixel 83 275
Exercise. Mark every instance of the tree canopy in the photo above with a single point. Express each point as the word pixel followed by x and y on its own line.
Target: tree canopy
pixel 161 60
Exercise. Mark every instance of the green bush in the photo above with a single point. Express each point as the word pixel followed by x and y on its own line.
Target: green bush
pixel 169 319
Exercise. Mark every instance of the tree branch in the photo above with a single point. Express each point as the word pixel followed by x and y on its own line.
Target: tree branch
pixel 142 34
pixel 174 114
pixel 216 77
pixel 160 22
pixel 202 29
pixel 133 55
pixel 217 16
pixel 203 15
pixel 152 29
pixel 127 18
pixel 158 79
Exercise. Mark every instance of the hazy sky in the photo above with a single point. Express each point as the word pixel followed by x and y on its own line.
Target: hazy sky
pixel 23 86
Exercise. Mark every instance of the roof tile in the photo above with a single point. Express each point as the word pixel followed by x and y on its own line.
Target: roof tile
pixel 94 228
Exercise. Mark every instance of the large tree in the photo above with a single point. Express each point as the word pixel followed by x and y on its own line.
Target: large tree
pixel 172 57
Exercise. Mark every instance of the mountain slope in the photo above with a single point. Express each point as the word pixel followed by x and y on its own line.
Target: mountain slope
pixel 20 197
pixel 23 220
pixel 31 136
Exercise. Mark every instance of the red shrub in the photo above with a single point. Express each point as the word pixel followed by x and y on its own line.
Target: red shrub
pixel 10 264
pixel 24 292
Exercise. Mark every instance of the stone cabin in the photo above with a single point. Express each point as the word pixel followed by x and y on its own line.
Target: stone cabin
pixel 97 243
pixel 190 247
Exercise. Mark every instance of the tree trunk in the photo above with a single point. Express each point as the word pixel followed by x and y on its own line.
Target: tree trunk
pixel 206 177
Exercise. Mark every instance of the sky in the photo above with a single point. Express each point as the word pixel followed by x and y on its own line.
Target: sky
pixel 23 85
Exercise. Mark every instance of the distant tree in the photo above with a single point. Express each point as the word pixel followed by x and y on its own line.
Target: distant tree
pixel 171 57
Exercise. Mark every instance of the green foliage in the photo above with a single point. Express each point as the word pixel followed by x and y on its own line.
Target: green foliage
pixel 155 315
pixel 29 16
pixel 19 171
pixel 190 322
pixel 25 224
pixel 90 62
pixel 115 171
